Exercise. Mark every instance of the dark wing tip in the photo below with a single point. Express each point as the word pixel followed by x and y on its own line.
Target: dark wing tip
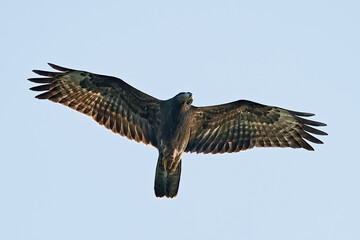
pixel 59 68
pixel 314 130
pixel 40 80
pixel 314 123
pixel 41 88
pixel 311 122
pixel 45 95
pixel 49 74
pixel 310 148
pixel 40 72
pixel 302 114
pixel 45 73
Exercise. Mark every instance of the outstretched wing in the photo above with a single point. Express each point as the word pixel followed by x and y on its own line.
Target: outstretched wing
pixel 243 125
pixel 110 101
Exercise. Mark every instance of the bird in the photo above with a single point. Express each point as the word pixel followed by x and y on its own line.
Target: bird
pixel 175 126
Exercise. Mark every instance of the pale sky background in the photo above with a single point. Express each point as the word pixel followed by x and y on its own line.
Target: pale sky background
pixel 62 176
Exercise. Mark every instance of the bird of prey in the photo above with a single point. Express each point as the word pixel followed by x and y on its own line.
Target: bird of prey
pixel 174 126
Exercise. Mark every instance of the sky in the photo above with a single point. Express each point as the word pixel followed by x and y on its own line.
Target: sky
pixel 62 176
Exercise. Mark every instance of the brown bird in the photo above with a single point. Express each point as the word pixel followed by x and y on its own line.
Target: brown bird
pixel 174 126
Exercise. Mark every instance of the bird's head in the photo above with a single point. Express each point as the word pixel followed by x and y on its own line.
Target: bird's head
pixel 184 99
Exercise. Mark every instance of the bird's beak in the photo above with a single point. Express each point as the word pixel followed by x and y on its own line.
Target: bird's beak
pixel 189 99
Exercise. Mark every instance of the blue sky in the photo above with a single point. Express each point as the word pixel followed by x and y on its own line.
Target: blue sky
pixel 62 176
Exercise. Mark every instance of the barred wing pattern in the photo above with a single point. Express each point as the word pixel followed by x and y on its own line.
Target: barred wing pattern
pixel 244 124
pixel 108 100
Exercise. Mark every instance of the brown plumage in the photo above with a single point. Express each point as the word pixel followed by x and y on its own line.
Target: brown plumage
pixel 174 126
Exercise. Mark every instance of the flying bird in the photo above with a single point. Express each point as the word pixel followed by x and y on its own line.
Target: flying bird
pixel 175 126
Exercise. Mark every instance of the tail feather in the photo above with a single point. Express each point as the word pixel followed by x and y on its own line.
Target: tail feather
pixel 166 184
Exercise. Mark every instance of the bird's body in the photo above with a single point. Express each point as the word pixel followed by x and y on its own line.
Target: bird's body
pixel 173 137
pixel 175 126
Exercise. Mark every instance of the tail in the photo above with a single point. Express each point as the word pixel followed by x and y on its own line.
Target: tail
pixel 166 184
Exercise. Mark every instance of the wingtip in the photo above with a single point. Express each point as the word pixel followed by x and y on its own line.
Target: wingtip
pixel 41 88
pixel 302 114
pixel 59 68
pixel 319 124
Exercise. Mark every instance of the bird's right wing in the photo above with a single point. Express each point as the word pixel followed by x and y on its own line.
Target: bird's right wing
pixel 108 100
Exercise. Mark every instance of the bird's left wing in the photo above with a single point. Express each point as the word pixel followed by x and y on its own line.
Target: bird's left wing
pixel 244 124
pixel 108 100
